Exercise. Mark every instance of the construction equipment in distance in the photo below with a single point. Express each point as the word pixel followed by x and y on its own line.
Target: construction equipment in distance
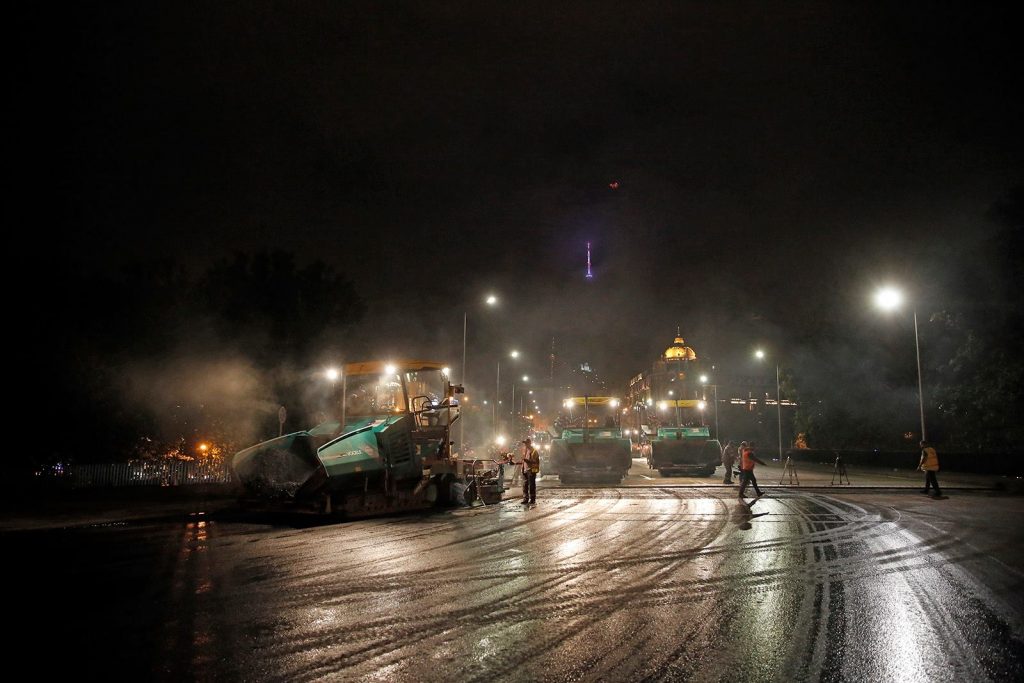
pixel 390 449
pixel 587 453
pixel 684 451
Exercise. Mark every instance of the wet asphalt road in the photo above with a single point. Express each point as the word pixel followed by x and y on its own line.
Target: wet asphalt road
pixel 621 583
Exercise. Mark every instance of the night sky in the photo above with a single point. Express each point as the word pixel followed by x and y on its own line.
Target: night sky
pixel 775 161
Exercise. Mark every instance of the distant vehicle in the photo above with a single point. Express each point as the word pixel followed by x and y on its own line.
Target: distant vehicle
pixel 684 450
pixel 542 440
pixel 588 453
pixel 669 402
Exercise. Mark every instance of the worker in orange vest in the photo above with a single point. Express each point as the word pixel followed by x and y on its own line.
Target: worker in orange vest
pixel 747 461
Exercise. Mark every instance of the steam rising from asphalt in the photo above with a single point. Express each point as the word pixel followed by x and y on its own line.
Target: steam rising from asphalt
pixel 190 396
pixel 725 306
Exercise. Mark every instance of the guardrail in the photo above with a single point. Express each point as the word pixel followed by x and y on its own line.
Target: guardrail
pixel 1006 464
pixel 147 473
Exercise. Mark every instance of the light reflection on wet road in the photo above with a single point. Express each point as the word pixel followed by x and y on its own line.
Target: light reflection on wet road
pixel 591 584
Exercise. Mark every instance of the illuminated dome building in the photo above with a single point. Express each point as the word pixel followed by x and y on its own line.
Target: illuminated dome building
pixel 679 351
pixel 743 401
pixel 670 393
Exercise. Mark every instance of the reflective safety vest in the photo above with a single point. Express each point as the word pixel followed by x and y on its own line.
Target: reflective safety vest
pixel 531 463
pixel 929 460
pixel 748 460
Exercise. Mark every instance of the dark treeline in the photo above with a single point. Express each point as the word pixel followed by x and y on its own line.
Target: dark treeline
pixel 152 361
pixel 854 384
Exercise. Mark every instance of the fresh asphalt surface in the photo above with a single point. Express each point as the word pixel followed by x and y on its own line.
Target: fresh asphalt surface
pixel 650 580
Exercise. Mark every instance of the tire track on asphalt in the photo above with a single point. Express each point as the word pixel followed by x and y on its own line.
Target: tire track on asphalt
pixel 609 601
pixel 535 604
pixel 427 629
pixel 579 599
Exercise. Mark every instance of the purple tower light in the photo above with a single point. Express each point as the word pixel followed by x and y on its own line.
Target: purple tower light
pixel 590 275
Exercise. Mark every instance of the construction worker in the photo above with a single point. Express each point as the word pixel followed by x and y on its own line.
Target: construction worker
pixel 929 465
pixel 747 461
pixel 531 467
pixel 729 454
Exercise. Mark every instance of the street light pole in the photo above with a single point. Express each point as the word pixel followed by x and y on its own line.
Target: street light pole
pixel 888 299
pixel 716 412
pixel 462 420
pixel 778 406
pixel 497 389
pixel 920 391
pixel 491 300
pixel 778 398
pixel 704 381
pixel 494 408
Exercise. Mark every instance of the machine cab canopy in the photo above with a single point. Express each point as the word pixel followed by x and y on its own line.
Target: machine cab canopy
pixel 409 386
pixel 590 408
pixel 593 401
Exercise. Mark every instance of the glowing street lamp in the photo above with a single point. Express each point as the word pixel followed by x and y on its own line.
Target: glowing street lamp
pixel 497 390
pixel 491 300
pixel 778 398
pixel 890 299
pixel 526 378
pixel 332 374
pixel 614 403
pixel 676 404
pixel 704 381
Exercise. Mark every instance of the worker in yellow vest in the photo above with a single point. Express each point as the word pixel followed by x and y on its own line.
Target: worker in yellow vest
pixel 929 465
pixel 531 467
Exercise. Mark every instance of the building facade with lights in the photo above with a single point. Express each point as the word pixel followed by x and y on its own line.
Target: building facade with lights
pixel 670 393
pixel 682 389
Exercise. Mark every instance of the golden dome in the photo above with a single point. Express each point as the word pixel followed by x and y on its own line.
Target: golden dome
pixel 679 351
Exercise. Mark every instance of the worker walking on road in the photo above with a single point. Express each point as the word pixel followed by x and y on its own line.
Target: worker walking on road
pixel 929 465
pixel 531 467
pixel 729 454
pixel 747 461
